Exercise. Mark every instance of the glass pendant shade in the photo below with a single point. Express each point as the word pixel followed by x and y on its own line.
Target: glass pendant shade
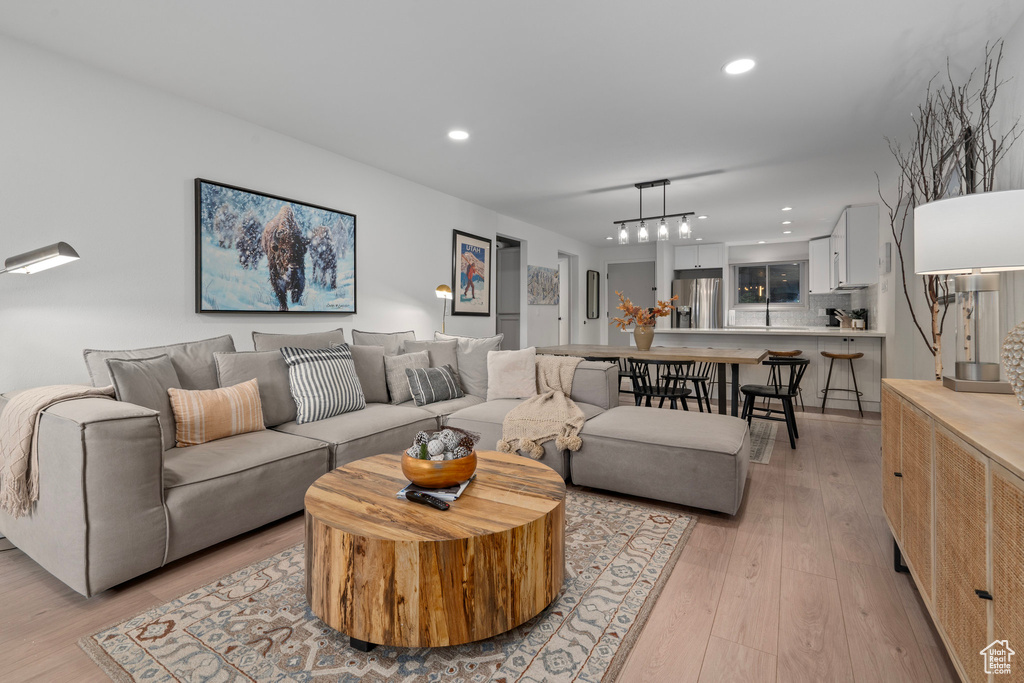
pixel 662 231
pixel 623 234
pixel 684 229
pixel 641 233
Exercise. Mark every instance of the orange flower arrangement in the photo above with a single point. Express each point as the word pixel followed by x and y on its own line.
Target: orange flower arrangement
pixel 640 317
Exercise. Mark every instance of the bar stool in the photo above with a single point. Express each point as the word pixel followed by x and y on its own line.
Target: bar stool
pixel 774 369
pixel 833 357
pixel 784 392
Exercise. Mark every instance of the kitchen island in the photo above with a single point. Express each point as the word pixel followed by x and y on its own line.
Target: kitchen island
pixel 812 341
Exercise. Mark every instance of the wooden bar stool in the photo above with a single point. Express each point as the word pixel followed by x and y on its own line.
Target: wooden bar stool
pixel 833 357
pixel 774 378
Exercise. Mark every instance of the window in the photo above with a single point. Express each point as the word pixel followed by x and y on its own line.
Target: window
pixel 783 282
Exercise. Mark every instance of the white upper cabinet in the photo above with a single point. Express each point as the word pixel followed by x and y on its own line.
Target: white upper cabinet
pixel 854 244
pixel 820 266
pixel 700 256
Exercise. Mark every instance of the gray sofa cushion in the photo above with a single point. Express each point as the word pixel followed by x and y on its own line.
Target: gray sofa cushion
pixel 270 371
pixel 472 354
pixel 441 353
pixel 446 407
pixel 223 488
pixel 597 383
pixel 378 428
pixel 266 341
pixel 369 362
pixel 395 366
pixel 144 382
pixel 486 418
pixel 192 361
pixel 696 459
pixel 391 341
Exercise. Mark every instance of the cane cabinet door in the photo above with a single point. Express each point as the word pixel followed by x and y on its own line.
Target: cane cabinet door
pixel 961 550
pixel 916 460
pixel 891 468
pixel 1008 558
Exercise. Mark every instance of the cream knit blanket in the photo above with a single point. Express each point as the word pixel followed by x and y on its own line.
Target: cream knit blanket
pixel 549 415
pixel 19 425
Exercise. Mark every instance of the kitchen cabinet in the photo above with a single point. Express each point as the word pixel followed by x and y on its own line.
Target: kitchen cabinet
pixel 700 256
pixel 854 244
pixel 953 497
pixel 868 369
pixel 819 266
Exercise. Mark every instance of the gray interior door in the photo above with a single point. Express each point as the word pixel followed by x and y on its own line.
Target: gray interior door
pixel 636 282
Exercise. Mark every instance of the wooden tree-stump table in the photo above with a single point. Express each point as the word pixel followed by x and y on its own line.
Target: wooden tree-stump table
pixel 391 572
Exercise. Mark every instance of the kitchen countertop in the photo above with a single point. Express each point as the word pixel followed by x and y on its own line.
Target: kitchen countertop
pixel 780 331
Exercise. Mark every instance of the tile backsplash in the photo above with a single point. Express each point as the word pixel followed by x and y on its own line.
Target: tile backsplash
pixel 799 317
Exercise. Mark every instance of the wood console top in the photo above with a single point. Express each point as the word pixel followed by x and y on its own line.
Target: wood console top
pixel 992 423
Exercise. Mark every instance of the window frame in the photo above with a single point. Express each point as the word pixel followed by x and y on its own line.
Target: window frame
pixel 804 285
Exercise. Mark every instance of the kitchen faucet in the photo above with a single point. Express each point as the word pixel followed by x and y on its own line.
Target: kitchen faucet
pixel 767 311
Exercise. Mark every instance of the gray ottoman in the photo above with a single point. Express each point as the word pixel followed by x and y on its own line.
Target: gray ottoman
pixel 486 418
pixel 695 459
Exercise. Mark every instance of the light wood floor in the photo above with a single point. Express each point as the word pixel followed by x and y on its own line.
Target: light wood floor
pixel 798 586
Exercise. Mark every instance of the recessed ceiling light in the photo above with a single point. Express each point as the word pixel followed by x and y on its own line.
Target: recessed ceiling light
pixel 609 238
pixel 761 242
pixel 700 239
pixel 700 218
pixel 739 66
pixel 787 208
pixel 458 135
pixel 786 222
pixel 784 232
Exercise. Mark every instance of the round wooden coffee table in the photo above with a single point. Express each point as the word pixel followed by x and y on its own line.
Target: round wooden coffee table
pixel 392 572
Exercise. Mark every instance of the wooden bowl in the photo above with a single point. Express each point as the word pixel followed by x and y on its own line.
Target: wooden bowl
pixel 438 474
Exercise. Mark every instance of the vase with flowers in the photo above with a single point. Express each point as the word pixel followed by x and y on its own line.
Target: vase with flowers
pixel 641 319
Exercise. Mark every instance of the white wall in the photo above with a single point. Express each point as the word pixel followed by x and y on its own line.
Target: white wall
pixel 108 165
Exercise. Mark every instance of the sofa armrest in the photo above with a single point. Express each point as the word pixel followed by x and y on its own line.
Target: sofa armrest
pixel 597 383
pixel 100 518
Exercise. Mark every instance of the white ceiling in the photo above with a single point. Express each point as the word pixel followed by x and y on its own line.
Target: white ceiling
pixel 568 103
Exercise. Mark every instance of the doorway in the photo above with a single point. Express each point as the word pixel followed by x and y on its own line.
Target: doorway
pixel 566 296
pixel 508 258
pixel 636 281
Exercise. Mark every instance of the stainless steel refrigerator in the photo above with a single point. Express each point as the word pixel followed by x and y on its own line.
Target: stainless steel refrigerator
pixel 699 304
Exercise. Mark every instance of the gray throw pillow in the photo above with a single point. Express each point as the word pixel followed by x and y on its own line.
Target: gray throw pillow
pixel 441 353
pixel 472 354
pixel 266 341
pixel 192 361
pixel 398 383
pixel 271 374
pixel 432 385
pixel 323 382
pixel 144 382
pixel 369 361
pixel 391 341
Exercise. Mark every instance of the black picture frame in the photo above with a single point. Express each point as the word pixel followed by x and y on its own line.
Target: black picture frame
pixel 228 218
pixel 479 248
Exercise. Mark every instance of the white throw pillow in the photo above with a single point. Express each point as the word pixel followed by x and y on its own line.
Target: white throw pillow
pixel 512 374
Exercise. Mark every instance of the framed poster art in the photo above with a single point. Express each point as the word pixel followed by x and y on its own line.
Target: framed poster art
pixel 260 253
pixel 541 285
pixel 471 274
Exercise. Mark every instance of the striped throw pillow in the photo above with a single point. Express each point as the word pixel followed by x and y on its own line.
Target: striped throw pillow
pixel 323 382
pixel 211 414
pixel 430 385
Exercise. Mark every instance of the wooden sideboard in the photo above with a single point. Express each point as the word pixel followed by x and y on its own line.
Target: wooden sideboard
pixel 953 494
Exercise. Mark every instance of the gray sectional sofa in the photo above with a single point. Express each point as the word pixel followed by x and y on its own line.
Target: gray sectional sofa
pixel 114 504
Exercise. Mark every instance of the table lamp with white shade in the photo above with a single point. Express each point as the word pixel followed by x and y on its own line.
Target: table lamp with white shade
pixel 974 237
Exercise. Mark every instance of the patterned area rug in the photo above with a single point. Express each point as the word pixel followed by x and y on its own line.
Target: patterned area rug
pixel 762 440
pixel 254 625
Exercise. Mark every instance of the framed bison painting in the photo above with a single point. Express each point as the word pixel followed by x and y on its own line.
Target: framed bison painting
pixel 258 253
pixel 471 274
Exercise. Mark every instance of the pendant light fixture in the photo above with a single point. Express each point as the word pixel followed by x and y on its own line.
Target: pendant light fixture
pixel 643 233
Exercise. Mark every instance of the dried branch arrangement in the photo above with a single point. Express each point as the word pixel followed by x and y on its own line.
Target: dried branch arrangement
pixel 955 149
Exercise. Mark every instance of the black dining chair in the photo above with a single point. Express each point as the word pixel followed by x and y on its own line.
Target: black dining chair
pixel 648 383
pixel 777 390
pixel 701 375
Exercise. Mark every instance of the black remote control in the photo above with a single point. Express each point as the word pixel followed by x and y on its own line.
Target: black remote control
pixel 427 499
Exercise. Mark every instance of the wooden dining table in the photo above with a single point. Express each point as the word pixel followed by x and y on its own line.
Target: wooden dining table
pixel 722 357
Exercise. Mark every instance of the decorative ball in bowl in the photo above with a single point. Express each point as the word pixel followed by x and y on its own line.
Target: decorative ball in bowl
pixel 440 459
